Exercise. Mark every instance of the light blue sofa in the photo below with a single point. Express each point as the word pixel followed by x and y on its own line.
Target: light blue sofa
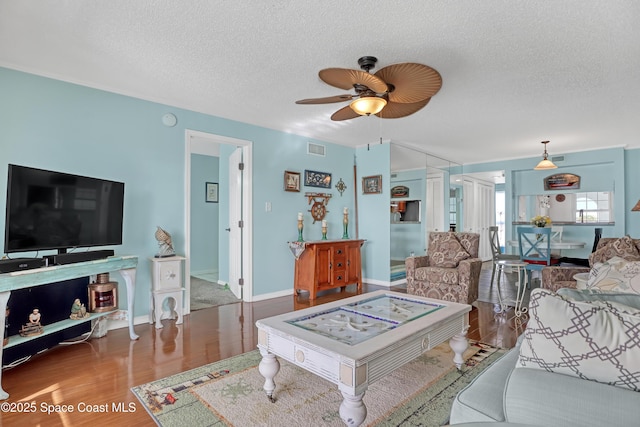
pixel 503 393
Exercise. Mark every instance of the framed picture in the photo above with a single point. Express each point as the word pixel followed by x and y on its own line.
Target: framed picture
pixel 211 193
pixel 372 184
pixel 317 179
pixel 291 181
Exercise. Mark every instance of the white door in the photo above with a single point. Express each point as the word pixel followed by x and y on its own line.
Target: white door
pixel 479 212
pixel 485 194
pixel 435 205
pixel 235 223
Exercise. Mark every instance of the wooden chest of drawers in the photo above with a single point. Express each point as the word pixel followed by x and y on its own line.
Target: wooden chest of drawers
pixel 328 264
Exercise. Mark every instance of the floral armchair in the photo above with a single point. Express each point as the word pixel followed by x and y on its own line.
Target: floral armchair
pixel 451 269
pixel 557 277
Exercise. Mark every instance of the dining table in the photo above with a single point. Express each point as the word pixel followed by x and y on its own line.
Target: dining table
pixel 556 244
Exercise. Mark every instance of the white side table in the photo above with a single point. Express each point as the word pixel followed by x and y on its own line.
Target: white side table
pixel 167 282
pixel 521 267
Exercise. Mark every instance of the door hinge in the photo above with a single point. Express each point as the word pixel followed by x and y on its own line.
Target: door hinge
pixel 241 166
pixel 240 223
pixel 241 281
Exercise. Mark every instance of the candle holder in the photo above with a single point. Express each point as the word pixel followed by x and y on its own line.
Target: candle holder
pixel 324 232
pixel 300 227
pixel 345 222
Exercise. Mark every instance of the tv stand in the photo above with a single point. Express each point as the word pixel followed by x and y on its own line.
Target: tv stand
pixel 125 265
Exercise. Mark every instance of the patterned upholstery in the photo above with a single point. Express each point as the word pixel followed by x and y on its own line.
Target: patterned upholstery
pixel 557 277
pixel 592 340
pixel 457 283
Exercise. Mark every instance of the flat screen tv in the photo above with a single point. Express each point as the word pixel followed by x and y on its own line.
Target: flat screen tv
pixel 55 210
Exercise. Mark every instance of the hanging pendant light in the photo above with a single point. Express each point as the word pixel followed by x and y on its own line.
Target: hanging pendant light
pixel 545 163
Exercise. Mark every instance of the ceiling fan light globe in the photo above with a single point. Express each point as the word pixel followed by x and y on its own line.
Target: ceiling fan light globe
pixel 368 105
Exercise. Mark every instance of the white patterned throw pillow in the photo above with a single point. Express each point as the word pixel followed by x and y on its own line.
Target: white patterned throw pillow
pixel 615 274
pixel 595 341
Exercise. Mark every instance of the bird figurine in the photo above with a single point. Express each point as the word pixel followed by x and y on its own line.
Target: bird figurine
pixel 164 243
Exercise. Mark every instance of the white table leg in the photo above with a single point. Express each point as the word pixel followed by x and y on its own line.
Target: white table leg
pixel 352 410
pixel 459 344
pixel 129 276
pixel 269 368
pixel 4 297
pixel 522 285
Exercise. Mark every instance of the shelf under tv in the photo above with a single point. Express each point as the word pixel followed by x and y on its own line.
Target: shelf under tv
pixel 53 328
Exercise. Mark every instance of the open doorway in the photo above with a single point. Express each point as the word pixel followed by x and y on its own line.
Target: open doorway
pixel 221 195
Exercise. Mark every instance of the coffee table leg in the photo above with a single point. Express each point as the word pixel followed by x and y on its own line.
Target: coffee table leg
pixel 352 410
pixel 459 344
pixel 268 368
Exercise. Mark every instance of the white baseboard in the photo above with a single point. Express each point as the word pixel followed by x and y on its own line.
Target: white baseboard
pixel 386 283
pixel 271 295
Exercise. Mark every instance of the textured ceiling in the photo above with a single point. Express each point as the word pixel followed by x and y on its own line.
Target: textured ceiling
pixel 514 72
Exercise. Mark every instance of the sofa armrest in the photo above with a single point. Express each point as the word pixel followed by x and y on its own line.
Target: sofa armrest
pixel 413 262
pixel 556 277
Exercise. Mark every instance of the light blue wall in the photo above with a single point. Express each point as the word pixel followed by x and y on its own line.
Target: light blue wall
pixel 60 126
pixel 204 216
pixel 373 212
pixel 600 170
pixel 632 195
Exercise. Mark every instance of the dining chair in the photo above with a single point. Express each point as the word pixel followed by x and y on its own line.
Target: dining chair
pixel 496 252
pixel 535 249
pixel 556 232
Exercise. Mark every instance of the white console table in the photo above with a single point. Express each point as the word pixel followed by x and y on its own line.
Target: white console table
pixel 125 265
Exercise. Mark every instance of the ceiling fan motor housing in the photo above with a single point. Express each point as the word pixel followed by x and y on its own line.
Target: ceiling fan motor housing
pixel 367 62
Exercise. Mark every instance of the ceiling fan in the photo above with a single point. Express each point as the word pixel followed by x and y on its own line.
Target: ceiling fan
pixel 394 91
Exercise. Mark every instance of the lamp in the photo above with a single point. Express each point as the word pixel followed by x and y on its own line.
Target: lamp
pixel 545 163
pixel 368 105
pixel 636 208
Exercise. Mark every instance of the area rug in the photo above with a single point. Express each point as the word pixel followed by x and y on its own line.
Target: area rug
pixel 229 393
pixel 205 294
pixel 398 272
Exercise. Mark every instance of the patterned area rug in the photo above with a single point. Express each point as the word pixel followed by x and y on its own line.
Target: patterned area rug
pixel 229 393
pixel 398 272
pixel 206 294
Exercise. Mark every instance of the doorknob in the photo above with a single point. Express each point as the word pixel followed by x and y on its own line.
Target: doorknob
pixel 228 229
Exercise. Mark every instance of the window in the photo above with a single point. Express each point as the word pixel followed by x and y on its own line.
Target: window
pixel 594 206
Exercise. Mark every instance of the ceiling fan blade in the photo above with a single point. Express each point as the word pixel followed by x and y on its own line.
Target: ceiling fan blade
pixel 345 79
pixel 394 110
pixel 326 100
pixel 413 82
pixel 345 113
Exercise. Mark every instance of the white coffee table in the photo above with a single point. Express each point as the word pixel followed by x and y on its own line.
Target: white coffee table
pixel 355 341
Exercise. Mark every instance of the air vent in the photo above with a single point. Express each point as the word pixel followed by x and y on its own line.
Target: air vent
pixel 394 175
pixel 316 149
pixel 557 159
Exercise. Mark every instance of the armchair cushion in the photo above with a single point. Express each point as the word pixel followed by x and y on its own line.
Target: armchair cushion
pixel 594 340
pixel 445 250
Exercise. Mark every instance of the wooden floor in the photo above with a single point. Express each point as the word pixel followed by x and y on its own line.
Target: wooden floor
pixel 93 378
